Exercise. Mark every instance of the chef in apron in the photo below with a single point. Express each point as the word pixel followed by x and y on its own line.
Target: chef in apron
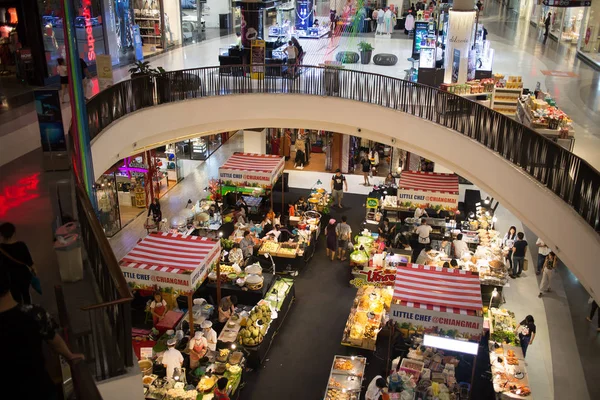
pixel 158 308
pixel 198 348
pixel 172 358
pixel 210 335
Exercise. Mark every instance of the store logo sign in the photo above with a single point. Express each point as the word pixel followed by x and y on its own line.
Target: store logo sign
pixel 87 14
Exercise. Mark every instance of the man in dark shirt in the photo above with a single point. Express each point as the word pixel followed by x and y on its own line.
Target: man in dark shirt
pixel 338 183
pixel 23 330
pixel 519 249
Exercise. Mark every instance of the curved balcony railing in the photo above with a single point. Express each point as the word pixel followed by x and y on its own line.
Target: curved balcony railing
pixel 568 176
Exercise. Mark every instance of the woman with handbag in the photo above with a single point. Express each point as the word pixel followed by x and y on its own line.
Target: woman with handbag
pixel 15 257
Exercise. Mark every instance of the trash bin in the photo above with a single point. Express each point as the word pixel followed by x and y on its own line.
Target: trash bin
pixel 68 254
pixel 67 229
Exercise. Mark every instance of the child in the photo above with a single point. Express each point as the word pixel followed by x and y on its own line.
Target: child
pixel 64 78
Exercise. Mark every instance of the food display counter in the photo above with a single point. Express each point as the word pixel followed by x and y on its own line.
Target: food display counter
pixel 229 287
pixel 367 317
pixel 548 120
pixel 346 378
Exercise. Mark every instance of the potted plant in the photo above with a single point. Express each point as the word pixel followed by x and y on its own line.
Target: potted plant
pixel 366 50
pixel 142 85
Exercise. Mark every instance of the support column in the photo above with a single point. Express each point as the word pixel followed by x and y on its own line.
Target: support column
pixel 460 34
pixel 252 24
pixel 590 29
pixel 79 128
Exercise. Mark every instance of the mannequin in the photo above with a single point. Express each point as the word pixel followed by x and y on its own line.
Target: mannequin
pixel 409 24
pixel 387 20
pixel 380 16
pixel 168 28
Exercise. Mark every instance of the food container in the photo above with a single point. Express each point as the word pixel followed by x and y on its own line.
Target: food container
pixel 145 367
pixel 254 282
pixel 178 223
pixel 253 269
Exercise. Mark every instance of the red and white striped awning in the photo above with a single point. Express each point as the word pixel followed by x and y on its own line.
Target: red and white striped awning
pixel 438 289
pixel 429 182
pixel 171 253
pixel 254 162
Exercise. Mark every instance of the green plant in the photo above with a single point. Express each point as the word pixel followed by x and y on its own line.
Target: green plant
pixel 365 46
pixel 144 68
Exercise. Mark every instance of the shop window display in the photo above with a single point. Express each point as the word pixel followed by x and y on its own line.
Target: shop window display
pixel 589 40
pixel 572 24
pixel 192 24
pixel 108 205
pixel 556 21
pixel 89 30
pixel 8 40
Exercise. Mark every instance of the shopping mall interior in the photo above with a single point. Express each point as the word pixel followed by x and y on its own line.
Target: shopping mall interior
pixel 247 153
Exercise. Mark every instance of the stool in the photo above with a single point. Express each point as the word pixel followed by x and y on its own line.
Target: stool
pixel 347 57
pixel 385 59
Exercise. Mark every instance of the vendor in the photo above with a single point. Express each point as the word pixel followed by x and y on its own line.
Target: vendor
pixel 460 246
pixel 240 215
pixel 274 234
pixel 227 308
pixel 158 308
pixel 236 255
pixel 210 335
pixel 172 358
pixel 419 212
pixel 390 180
pixel 423 232
pixel 376 388
pixel 242 203
pixel 301 204
pixel 425 256
pixel 386 230
pixel 220 392
pixel 247 245
pixel 154 209
pixel 198 348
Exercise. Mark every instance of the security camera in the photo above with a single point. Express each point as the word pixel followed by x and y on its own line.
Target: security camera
pixel 393 140
pixel 359 130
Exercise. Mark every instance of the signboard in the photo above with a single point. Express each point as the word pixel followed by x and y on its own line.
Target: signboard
pixel 257 59
pixel 420 37
pixel 52 132
pixel 438 201
pixel 372 202
pixel 247 178
pixel 105 71
pixel 567 3
pixel 137 42
pixel 146 353
pixel 455 65
pixel 410 320
pixel 376 276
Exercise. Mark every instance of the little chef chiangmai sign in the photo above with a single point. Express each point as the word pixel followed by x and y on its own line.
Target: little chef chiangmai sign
pixel 170 261
pixel 254 170
pixel 432 190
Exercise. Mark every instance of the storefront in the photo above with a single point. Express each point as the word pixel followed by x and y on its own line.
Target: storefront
pixel 588 46
pixel 568 27
pixel 538 13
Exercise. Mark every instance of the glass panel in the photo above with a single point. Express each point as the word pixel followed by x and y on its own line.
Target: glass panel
pixel 108 206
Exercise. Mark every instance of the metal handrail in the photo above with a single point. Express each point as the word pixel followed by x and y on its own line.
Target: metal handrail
pixel 569 177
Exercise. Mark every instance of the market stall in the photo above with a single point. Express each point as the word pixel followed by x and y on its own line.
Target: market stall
pixel 251 170
pixel 509 371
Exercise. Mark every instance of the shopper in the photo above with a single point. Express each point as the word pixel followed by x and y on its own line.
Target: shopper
pixel 247 245
pixel 593 309
pixel 547 22
pixel 439 56
pixel 301 204
pixel 543 251
pixel 519 251
pixel 154 209
pixel 507 243
pixel 344 236
pixel 23 330
pixel 172 358
pixel 386 230
pixel 479 5
pixel 460 246
pixel 389 179
pixel 292 54
pixel 366 168
pixel 197 349
pixel 64 78
pixel 16 259
pixel 236 255
pixel 425 256
pixel 548 272
pixel 158 308
pixel 338 184
pixel 526 330
pixel 220 392
pixel 331 235
pixel 376 388
pixel 299 50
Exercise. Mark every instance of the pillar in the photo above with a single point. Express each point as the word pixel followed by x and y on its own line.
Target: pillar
pixel 255 141
pixel 460 36
pixel 252 23
pixel 336 151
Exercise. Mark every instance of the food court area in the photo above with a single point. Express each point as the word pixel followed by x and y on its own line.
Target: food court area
pixel 241 279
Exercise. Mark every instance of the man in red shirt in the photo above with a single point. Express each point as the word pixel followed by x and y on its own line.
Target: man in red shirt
pixel 221 390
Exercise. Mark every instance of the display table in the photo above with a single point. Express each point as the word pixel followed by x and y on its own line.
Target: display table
pixel 170 321
pixel 346 376
pixel 245 296
pixel 511 380
pixel 524 117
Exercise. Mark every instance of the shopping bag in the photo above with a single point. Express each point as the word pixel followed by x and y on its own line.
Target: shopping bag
pixel 525 265
pixel 88 88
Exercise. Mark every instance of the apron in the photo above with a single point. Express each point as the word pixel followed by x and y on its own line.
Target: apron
pixel 198 348
pixel 160 310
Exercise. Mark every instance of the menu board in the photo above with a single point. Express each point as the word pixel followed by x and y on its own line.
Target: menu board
pixel 257 59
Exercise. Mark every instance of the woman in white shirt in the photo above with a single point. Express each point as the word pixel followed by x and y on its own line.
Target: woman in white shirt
pixel 425 257
pixel 508 242
pixel 460 246
pixel 375 388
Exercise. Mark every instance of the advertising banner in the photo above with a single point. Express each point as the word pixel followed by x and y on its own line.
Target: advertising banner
pixel 424 321
pixel 438 201
pixel 137 42
pixel 257 59
pixel 460 34
pixel 455 65
pixel 252 24
pixel 52 132
pixel 105 71
pixel 247 178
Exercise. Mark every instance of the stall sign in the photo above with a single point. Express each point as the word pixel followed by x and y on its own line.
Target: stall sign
pixel 149 279
pixel 146 353
pixel 89 30
pixel 257 59
pixel 372 202
pixel 439 201
pixel 236 177
pixel 374 278
pixel 424 321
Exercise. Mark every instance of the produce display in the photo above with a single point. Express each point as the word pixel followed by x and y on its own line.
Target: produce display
pixel 287 250
pixel 256 325
pixel 503 326
pixel 367 316
pixel 207 383
pixel 269 247
pixel 508 371
pixel 345 379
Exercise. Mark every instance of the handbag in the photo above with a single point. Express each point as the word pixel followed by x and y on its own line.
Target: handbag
pixel 525 265
pixel 36 284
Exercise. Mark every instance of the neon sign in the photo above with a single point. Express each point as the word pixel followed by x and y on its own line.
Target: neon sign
pixel 87 14
pixel 14 195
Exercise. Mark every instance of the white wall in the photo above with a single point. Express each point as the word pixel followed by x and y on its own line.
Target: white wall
pixel 124 387
pixel 573 240
pixel 212 10
pixel 255 141
pixel 173 10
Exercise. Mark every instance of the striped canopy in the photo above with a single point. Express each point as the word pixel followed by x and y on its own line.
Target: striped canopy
pixel 253 162
pixel 251 170
pixel 429 182
pixel 438 289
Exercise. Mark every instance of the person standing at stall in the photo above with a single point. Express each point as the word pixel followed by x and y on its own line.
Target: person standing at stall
pixel 172 358
pixel 338 184
pixel 460 246
pixel 331 235
pixel 158 308
pixel 543 252
pixel 227 308
pixel 220 392
pixel 344 235
pixel 154 209
pixel 508 242
pixel 210 335
pixel 526 331
pixel 386 230
pixel 198 347
pixel 376 388
pixel 548 272
pixel 519 251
